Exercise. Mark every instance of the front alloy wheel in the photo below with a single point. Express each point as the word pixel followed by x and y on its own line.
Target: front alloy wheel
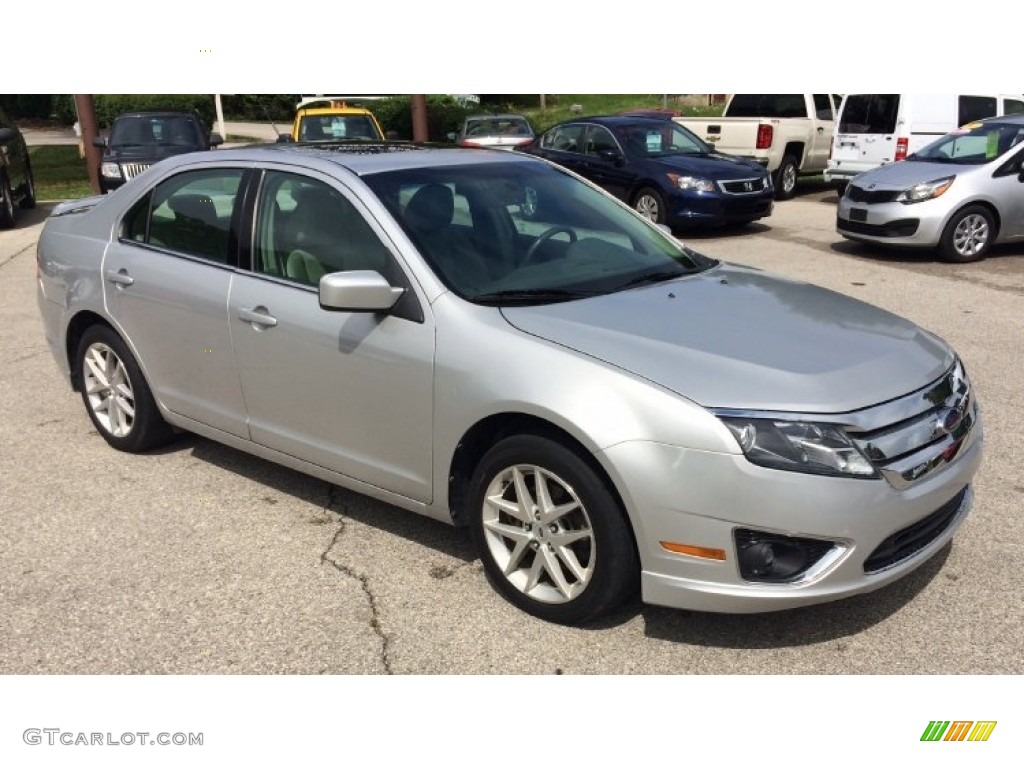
pixel 968 236
pixel 552 536
pixel 538 533
pixel 650 204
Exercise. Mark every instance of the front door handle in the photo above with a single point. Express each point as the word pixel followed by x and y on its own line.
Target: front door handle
pixel 121 278
pixel 258 316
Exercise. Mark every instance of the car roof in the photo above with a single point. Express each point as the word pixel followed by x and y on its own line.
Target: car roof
pixel 496 116
pixel 364 158
pixel 617 121
pixel 157 113
pixel 307 111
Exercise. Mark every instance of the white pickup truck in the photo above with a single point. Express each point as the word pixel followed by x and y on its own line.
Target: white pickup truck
pixel 788 133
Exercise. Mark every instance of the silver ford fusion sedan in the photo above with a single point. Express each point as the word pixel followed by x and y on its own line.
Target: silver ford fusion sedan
pixel 486 339
pixel 960 194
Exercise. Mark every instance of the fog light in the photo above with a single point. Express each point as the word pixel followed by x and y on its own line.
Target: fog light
pixel 771 557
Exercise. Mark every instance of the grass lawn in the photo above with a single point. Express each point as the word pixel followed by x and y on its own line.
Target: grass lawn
pixel 59 173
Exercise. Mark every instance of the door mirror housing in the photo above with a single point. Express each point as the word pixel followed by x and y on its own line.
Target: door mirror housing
pixel 357 291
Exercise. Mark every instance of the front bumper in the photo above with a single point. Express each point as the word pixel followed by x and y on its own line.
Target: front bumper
pixel 695 209
pixel 917 225
pixel 701 499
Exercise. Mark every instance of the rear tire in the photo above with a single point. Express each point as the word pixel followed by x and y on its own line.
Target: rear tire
pixel 785 178
pixel 116 395
pixel 968 236
pixel 552 537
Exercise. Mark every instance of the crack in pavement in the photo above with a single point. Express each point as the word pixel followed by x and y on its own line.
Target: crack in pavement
pixel 364 581
pixel 13 256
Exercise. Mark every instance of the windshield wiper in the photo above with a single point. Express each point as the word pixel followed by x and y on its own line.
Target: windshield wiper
pixel 532 295
pixel 650 277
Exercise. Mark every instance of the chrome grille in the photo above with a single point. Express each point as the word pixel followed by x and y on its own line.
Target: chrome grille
pixel 915 435
pixel 131 170
pixel 744 186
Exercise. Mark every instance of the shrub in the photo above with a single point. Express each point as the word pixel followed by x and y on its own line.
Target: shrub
pixel 444 116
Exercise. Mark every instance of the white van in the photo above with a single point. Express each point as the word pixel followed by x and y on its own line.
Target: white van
pixel 875 129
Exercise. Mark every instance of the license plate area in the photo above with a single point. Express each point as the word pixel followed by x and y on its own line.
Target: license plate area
pixel 858 214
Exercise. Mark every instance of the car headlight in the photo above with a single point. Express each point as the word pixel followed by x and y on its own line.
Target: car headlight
pixel 799 446
pixel 691 183
pixel 110 170
pixel 924 191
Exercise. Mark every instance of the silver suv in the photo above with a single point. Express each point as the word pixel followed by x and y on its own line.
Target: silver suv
pixel 484 338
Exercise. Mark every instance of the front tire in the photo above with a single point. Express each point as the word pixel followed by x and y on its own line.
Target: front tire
pixel 29 200
pixel 785 178
pixel 553 538
pixel 650 204
pixel 6 203
pixel 968 236
pixel 116 395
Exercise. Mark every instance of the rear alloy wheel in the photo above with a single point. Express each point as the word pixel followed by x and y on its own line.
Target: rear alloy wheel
pixel 553 539
pixel 650 204
pixel 968 235
pixel 115 394
pixel 6 203
pixel 785 178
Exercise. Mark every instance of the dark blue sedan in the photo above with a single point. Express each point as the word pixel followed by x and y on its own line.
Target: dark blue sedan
pixel 660 168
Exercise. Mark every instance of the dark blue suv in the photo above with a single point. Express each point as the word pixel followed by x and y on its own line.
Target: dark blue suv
pixel 660 168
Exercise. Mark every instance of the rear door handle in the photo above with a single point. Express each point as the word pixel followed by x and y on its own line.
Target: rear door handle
pixel 120 278
pixel 258 316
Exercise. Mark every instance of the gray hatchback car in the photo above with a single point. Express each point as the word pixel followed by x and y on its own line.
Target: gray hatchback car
pixel 487 339
pixel 961 194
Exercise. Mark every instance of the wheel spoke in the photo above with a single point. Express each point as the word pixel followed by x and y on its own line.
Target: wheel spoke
pixel 568 557
pixel 513 508
pixel 526 502
pixel 554 570
pixel 97 367
pixel 565 538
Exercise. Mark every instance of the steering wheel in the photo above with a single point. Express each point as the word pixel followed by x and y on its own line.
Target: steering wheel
pixel 543 238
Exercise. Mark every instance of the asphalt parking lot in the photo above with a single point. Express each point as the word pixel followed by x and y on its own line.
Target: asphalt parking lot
pixel 202 559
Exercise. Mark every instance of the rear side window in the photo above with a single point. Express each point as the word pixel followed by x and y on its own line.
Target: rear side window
pixel 1012 107
pixel 870 113
pixel 822 106
pixel 972 108
pixel 190 213
pixel 767 105
pixel 565 138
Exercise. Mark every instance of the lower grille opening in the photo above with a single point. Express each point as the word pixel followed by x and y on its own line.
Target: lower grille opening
pixel 914 538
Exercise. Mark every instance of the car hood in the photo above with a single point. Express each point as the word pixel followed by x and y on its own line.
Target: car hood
pixel 717 166
pixel 907 173
pixel 735 337
pixel 147 153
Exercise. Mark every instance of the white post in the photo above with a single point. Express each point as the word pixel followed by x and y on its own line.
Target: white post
pixel 220 117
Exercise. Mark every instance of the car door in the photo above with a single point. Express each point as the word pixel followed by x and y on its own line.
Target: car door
pixel 821 132
pixel 611 173
pixel 166 282
pixel 348 391
pixel 563 144
pixel 1008 192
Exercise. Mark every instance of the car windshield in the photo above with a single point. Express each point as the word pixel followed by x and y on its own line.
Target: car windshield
pixel 505 233
pixel 498 126
pixel 337 127
pixel 156 130
pixel 661 140
pixel 974 144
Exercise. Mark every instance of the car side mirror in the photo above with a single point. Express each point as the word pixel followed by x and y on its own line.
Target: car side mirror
pixel 284 138
pixel 216 139
pixel 6 134
pixel 99 141
pixel 357 291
